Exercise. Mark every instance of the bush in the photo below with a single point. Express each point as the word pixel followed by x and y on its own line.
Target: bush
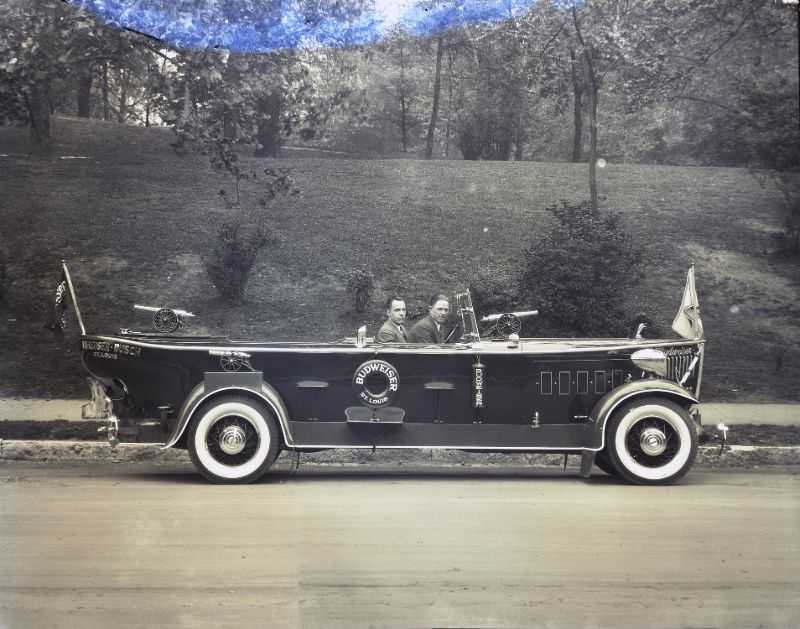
pixel 360 284
pixel 494 291
pixel 578 274
pixel 233 256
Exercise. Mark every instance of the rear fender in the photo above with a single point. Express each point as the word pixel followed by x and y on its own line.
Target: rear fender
pixel 220 383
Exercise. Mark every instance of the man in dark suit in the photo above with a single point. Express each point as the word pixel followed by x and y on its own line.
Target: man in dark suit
pixel 393 330
pixel 430 329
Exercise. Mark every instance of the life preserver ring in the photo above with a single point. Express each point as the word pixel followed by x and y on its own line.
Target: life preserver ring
pixel 375 383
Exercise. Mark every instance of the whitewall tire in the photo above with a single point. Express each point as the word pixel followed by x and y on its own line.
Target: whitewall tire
pixel 233 439
pixel 651 441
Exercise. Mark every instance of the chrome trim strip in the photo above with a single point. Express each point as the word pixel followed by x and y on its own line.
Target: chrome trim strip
pixel 482 448
pixel 532 347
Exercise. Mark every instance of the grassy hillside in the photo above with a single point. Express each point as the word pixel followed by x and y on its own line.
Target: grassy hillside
pixel 134 219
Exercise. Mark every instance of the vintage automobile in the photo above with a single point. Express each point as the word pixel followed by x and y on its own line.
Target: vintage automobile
pixel 625 404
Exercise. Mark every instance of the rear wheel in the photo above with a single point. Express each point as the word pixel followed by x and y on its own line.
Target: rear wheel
pixel 233 439
pixel 651 441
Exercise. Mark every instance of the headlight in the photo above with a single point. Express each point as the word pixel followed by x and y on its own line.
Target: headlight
pixel 652 361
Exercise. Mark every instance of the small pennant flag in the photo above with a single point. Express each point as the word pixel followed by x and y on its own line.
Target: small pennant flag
pixel 57 317
pixel 687 322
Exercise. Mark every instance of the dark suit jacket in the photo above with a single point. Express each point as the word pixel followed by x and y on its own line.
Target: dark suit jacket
pixel 389 334
pixel 424 331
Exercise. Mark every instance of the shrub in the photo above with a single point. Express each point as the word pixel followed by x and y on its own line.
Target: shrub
pixel 494 291
pixel 360 284
pixel 233 256
pixel 578 274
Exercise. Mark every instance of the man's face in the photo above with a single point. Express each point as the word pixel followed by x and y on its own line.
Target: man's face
pixel 397 312
pixel 439 311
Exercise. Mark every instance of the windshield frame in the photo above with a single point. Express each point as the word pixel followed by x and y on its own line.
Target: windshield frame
pixel 468 321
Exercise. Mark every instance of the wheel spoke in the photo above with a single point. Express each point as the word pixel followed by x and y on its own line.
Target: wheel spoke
pixel 633 442
pixel 214 436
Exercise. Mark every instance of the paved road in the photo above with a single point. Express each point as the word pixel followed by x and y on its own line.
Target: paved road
pixel 135 546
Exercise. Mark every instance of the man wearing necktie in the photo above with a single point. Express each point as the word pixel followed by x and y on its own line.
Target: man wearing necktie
pixel 393 330
pixel 430 329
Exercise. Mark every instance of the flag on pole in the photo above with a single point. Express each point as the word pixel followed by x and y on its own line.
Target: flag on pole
pixel 687 322
pixel 57 317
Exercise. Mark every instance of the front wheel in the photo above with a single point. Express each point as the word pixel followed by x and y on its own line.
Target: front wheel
pixel 233 439
pixel 651 441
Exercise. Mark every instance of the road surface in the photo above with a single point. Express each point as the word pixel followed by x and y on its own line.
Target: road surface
pixel 131 546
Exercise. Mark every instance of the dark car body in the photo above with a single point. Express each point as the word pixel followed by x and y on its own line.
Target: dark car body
pixel 216 396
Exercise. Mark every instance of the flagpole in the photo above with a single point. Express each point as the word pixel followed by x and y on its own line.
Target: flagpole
pixel 74 298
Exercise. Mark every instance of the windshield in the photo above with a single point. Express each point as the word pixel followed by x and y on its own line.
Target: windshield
pixel 467 314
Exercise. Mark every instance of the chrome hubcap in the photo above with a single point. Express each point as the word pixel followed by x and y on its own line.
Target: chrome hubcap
pixel 653 441
pixel 232 440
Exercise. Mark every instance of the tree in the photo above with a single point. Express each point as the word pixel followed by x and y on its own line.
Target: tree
pixel 437 82
pixel 49 50
pixel 402 88
pixel 34 53
pixel 260 99
pixel 591 84
pixel 578 274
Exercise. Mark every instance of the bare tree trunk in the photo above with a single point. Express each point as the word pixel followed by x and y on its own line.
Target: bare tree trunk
pixel 519 148
pixel 123 96
pixel 450 61
pixel 403 123
pixel 104 89
pixel 148 98
pixel 435 108
pixel 228 124
pixel 84 95
pixel 186 112
pixel 38 104
pixel 269 127
pixel 592 139
pixel 577 105
pixel 591 82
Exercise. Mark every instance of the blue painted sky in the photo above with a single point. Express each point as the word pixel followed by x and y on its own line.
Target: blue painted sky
pixel 267 25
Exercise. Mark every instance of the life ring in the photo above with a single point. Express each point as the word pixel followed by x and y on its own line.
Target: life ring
pixel 375 383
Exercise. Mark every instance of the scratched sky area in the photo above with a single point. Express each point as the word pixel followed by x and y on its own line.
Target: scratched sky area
pixel 268 25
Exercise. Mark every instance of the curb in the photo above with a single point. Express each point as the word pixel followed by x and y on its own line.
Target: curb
pixel 708 457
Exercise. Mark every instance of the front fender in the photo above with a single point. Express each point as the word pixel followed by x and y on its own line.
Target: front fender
pixel 215 383
pixel 638 388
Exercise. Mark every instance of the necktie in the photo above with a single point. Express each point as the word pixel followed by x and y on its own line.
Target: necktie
pixel 403 332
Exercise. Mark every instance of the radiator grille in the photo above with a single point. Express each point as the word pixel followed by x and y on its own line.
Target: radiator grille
pixel 678 361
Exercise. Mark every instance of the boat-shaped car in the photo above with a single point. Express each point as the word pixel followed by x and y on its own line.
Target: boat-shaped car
pixel 627 405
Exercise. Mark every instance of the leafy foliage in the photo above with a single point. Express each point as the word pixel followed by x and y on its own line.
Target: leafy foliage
pixel 46 49
pixel 495 291
pixel 360 284
pixel 230 262
pixel 237 248
pixel 578 274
